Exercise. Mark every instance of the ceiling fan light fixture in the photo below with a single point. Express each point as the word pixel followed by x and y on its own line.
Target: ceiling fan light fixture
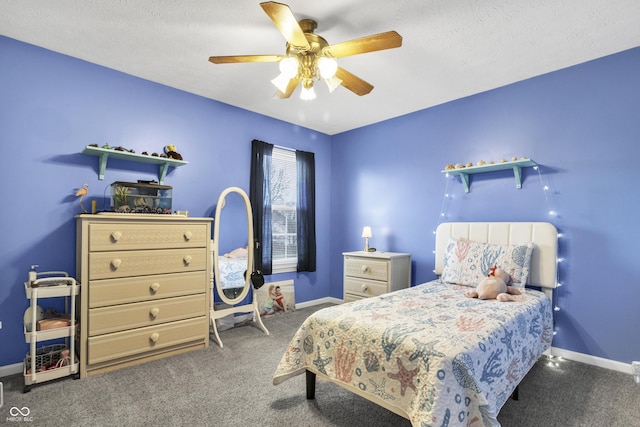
pixel 327 66
pixel 333 83
pixel 281 82
pixel 289 67
pixel 307 93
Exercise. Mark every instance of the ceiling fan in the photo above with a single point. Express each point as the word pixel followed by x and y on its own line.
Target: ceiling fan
pixel 309 58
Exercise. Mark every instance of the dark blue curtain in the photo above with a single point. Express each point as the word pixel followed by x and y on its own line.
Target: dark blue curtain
pixel 306 210
pixel 260 197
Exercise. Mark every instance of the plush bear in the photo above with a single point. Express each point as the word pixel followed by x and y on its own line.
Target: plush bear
pixel 172 153
pixel 495 286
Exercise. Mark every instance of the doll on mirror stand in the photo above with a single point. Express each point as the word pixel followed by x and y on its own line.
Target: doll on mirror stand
pixel 278 299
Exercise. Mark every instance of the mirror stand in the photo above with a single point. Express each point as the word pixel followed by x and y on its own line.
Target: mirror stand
pixel 216 282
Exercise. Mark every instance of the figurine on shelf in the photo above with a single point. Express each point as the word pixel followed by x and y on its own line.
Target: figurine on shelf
pixel 172 152
pixel 81 193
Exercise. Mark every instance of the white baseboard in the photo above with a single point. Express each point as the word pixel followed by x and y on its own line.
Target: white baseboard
pixel 7 370
pixel 319 301
pixel 592 360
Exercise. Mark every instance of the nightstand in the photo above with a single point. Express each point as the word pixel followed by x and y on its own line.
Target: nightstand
pixel 368 274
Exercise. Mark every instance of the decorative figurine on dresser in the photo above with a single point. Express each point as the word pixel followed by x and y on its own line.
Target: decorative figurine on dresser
pixel 145 281
pixel 368 274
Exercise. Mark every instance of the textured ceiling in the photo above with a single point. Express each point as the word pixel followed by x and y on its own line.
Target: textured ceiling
pixel 451 48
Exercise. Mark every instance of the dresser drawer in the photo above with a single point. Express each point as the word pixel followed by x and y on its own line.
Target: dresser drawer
pixel 119 237
pixel 137 341
pixel 107 292
pixel 366 268
pixel 104 265
pixel 364 287
pixel 129 316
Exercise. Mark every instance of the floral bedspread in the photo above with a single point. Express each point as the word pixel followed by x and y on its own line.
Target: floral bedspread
pixel 442 358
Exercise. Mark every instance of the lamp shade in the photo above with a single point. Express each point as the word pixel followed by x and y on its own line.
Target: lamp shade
pixel 366 231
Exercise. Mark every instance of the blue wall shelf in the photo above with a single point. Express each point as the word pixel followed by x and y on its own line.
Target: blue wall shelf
pixel 516 165
pixel 104 154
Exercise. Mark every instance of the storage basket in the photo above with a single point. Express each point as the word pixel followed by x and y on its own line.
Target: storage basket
pixel 46 356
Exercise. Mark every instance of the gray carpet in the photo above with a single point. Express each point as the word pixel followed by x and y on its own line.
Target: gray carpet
pixel 231 386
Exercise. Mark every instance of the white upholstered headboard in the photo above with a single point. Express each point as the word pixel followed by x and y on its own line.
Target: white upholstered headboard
pixel 544 235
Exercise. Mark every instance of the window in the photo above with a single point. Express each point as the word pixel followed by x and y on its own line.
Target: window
pixel 284 250
pixel 282 194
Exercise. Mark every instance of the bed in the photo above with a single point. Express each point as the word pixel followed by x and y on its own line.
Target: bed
pixel 232 274
pixel 428 353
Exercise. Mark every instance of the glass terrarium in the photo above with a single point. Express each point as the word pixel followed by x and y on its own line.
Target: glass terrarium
pixel 140 197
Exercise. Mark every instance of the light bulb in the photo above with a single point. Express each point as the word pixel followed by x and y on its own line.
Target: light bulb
pixel 327 67
pixel 289 67
pixel 307 92
pixel 281 82
pixel 333 83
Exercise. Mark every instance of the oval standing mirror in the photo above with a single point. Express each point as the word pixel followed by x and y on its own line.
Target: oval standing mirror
pixel 233 246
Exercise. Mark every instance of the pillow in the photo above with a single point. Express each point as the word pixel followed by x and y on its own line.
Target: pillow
pixel 467 262
pixel 238 253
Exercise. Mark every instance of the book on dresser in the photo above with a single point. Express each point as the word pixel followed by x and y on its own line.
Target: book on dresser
pixel 145 288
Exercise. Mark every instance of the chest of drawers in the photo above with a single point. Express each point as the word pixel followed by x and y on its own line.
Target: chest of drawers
pixel 368 274
pixel 145 288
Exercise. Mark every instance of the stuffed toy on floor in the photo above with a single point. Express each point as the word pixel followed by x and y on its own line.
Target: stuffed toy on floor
pixel 495 286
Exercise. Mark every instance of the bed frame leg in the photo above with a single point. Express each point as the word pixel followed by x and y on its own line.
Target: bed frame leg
pixel 514 395
pixel 311 385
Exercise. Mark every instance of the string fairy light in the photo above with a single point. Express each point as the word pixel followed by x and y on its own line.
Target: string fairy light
pixel 552 211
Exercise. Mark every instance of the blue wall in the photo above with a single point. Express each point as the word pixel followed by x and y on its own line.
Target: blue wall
pixel 580 124
pixel 52 106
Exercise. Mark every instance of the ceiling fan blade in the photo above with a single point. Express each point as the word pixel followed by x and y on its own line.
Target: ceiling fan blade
pixel 353 83
pixel 233 59
pixel 382 41
pixel 286 23
pixel 293 84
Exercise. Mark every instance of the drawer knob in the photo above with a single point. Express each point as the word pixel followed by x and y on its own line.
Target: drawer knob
pixel 187 259
pixel 154 337
pixel 187 235
pixel 364 288
pixel 116 263
pixel 115 236
pixel 154 287
pixel 365 268
pixel 154 312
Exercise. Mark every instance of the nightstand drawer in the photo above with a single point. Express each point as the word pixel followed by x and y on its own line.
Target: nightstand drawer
pixel 137 341
pixel 366 268
pixel 107 292
pixel 129 316
pixel 364 287
pixel 119 237
pixel 105 265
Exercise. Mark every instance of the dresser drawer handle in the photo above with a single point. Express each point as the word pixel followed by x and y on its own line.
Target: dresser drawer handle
pixel 365 268
pixel 187 259
pixel 187 235
pixel 154 287
pixel 115 236
pixel 115 263
pixel 154 312
pixel 154 337
pixel 364 288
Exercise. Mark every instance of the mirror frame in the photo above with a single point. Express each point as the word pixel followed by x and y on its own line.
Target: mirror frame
pixel 250 246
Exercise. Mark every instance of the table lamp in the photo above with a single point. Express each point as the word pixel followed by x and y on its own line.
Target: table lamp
pixel 366 233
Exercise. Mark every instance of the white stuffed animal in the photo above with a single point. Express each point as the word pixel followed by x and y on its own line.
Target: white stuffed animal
pixel 495 286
